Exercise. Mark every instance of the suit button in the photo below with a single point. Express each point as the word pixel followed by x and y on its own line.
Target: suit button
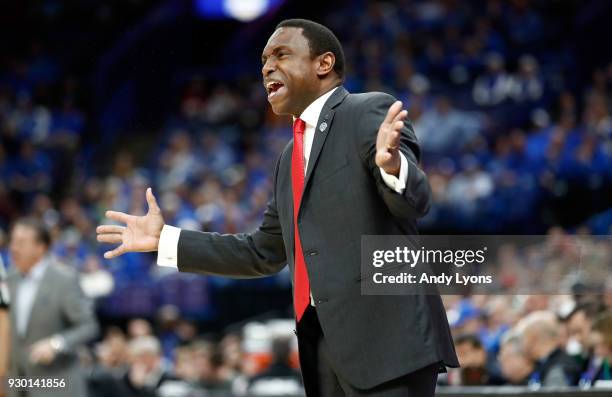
pixel 313 253
pixel 321 300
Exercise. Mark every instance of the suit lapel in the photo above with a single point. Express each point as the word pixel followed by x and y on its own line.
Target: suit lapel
pixel 326 116
pixel 323 129
pixel 12 280
pixel 40 299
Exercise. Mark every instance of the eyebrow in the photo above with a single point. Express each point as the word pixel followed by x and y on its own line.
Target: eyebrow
pixel 274 51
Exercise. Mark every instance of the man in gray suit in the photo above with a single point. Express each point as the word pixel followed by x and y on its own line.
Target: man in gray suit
pixel 350 170
pixel 4 326
pixel 50 317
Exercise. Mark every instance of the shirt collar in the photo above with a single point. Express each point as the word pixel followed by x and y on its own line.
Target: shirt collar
pixel 37 271
pixel 311 114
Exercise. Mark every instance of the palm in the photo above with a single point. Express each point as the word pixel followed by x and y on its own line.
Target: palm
pixel 140 233
pixel 388 139
pixel 382 152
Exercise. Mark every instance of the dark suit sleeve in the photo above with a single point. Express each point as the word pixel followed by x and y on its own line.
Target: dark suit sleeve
pixel 243 255
pixel 78 311
pixel 416 199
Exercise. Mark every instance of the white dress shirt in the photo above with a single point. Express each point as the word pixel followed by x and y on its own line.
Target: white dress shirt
pixel 26 293
pixel 168 240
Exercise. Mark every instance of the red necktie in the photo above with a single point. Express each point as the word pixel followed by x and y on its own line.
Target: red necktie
pixel 301 294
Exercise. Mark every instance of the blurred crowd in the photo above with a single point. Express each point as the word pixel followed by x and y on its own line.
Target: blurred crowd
pixel 512 141
pixel 260 360
pixel 533 340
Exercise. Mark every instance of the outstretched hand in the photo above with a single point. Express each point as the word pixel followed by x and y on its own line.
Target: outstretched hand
pixel 140 233
pixel 388 139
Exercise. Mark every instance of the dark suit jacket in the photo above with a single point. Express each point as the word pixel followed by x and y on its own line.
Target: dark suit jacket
pixel 372 338
pixel 59 308
pixel 557 370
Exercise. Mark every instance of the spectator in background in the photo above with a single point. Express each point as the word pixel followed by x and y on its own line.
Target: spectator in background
pixel 579 327
pixel 215 154
pixel 205 361
pixel 232 355
pixel 178 162
pixel 138 327
pixel 476 367
pixel 602 342
pixel 184 367
pixel 96 281
pixel 597 116
pixel 495 86
pixel 515 365
pixel 110 365
pixel 523 23
pixel 468 187
pixel 446 129
pixel 112 351
pixel 31 172
pixel 539 333
pixel 498 315
pixel 527 86
pixel 145 373
pixel 466 318
pixel 50 316
pixel 279 374
pixel 168 317
pixel 67 125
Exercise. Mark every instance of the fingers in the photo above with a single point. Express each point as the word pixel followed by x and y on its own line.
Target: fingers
pixel 393 111
pixel 398 125
pixel 102 229
pixel 41 353
pixel 110 238
pixel 120 250
pixel 401 116
pixel 151 201
pixel 118 216
pixel 393 139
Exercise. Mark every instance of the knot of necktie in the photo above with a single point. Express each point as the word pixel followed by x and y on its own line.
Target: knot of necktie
pixel 299 126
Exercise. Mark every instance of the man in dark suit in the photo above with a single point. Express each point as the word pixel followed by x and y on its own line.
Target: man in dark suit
pixel 49 315
pixel 351 170
pixel 541 342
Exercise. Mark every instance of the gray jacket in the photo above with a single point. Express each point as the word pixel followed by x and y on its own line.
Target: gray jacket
pixel 60 308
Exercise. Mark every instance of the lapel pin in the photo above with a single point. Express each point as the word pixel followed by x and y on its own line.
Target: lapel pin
pixel 323 126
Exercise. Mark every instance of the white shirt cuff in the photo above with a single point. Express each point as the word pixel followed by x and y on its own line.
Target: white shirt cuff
pixel 168 246
pixel 398 184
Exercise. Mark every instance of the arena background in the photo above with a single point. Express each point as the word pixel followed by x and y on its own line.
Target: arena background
pixel 101 99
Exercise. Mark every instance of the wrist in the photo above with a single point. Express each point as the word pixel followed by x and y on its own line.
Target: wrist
pixel 57 343
pixel 393 169
pixel 159 231
pixel 158 237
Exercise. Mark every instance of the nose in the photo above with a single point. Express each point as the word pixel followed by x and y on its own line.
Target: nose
pixel 268 67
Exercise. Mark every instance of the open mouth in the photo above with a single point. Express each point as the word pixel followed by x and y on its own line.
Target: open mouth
pixel 274 88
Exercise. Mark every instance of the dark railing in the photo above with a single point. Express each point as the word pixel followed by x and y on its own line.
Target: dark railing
pixel 497 391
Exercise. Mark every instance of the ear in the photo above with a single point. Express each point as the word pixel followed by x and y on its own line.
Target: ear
pixel 326 62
